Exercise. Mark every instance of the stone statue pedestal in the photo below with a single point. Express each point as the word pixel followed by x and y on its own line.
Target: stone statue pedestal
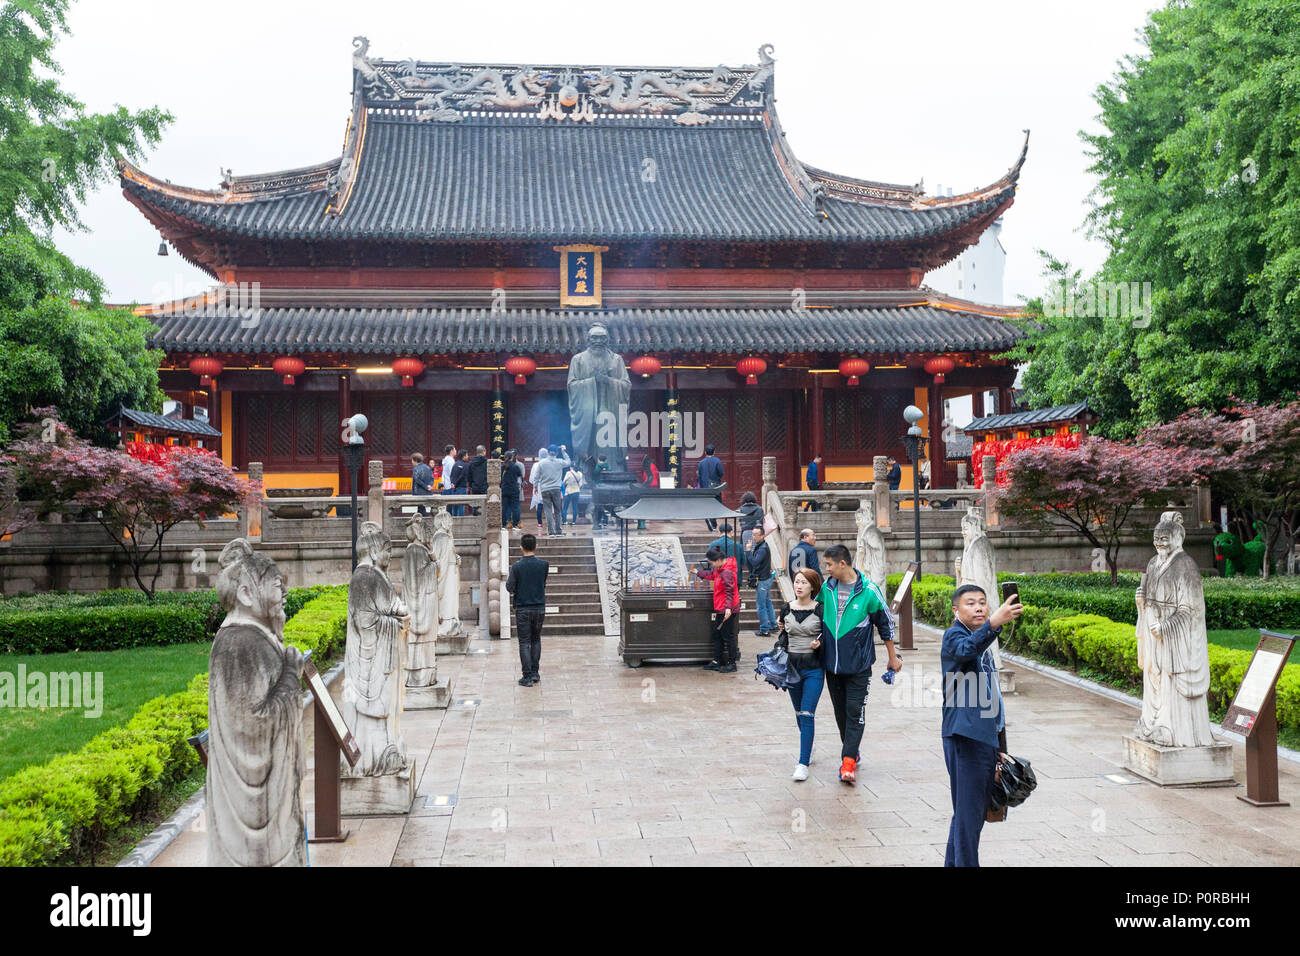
pixel 434 697
pixel 1207 766
pixel 1007 680
pixel 454 643
pixel 384 795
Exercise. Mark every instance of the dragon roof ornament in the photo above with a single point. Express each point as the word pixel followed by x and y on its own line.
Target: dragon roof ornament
pixel 448 92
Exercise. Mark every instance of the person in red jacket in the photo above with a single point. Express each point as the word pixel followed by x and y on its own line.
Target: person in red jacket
pixel 726 610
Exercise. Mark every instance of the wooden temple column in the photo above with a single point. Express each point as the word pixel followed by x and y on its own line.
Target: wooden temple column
pixel 214 406
pixel 938 466
pixel 1004 400
pixel 344 412
pixel 815 446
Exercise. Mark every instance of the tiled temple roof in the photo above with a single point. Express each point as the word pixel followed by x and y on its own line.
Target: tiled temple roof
pixel 890 330
pixel 451 152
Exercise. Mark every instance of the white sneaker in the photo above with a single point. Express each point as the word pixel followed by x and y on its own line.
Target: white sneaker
pixel 801 772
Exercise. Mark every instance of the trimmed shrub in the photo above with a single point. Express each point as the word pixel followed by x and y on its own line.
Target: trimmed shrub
pixel 322 624
pixel 1111 647
pixel 103 628
pixel 112 620
pixel 1230 603
pixel 64 806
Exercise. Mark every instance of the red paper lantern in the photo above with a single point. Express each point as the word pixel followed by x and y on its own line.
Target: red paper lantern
pixel 520 366
pixel 207 369
pixel 939 367
pixel 751 368
pixel 287 367
pixel 853 368
pixel 408 368
pixel 646 365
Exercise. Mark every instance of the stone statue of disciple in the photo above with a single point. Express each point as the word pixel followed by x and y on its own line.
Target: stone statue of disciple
pixel 978 565
pixel 443 549
pixel 372 661
pixel 870 556
pixel 255 747
pixel 1171 644
pixel 420 592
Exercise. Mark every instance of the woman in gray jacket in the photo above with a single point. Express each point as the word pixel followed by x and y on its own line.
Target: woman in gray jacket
pixel 801 631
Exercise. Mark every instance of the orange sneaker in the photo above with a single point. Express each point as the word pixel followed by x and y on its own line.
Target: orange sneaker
pixel 849 770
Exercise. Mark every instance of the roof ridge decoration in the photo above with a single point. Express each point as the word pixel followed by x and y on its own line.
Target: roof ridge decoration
pixel 446 92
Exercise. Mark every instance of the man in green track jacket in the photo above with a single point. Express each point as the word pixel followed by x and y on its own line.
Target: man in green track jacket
pixel 853 607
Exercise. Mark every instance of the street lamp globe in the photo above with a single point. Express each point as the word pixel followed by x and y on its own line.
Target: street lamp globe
pixel 912 415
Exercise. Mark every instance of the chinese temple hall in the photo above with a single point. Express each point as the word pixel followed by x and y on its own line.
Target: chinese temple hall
pixel 439 275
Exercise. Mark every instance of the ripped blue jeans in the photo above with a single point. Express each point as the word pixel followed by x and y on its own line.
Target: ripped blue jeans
pixel 804 697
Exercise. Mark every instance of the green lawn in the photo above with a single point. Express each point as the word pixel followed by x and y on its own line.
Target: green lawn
pixel 130 677
pixel 1240 640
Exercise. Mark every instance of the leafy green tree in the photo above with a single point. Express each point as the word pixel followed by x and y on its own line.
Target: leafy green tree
pixel 1199 195
pixel 58 344
pixel 1078 357
pixel 53 151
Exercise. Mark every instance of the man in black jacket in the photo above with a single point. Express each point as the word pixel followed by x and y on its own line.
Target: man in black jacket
pixel 476 475
pixel 460 479
pixel 527 586
pixel 759 559
pixel 511 474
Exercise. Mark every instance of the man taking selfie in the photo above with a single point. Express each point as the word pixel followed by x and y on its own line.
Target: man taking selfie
pixel 973 719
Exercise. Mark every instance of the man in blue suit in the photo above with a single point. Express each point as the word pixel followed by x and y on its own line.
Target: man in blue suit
pixel 973 720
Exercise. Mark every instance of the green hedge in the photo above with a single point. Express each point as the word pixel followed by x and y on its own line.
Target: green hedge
pixel 1230 603
pixel 103 628
pixel 65 806
pixel 1076 636
pixel 1111 646
pixel 112 620
pixel 322 624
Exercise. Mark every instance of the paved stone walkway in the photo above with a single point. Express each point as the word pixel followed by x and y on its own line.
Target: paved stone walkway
pixel 600 764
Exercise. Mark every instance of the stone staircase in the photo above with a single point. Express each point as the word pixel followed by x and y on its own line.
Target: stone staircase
pixel 572 586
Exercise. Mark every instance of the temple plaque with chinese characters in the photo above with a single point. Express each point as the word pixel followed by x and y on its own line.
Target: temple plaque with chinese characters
pixel 580 274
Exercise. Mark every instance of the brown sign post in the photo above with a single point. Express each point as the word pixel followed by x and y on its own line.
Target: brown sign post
pixel 1254 713
pixel 901 606
pixel 332 740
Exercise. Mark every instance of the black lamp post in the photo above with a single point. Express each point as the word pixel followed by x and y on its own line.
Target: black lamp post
pixel 914 445
pixel 354 455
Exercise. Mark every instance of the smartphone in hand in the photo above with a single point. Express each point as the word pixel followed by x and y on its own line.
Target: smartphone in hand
pixel 1010 589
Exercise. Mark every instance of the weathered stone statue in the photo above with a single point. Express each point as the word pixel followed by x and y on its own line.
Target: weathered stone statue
pixel 870 555
pixel 978 565
pixel 1172 742
pixel 372 683
pixel 451 632
pixel 420 592
pixel 598 385
pixel 255 747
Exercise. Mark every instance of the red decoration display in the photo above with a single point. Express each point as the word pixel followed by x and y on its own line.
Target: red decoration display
pixel 1001 450
pixel 408 368
pixel 520 366
pixel 288 367
pixel 156 454
pixel 207 369
pixel 646 365
pixel 854 368
pixel 751 368
pixel 939 367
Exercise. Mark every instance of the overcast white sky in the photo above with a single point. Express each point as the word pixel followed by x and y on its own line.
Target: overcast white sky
pixel 886 91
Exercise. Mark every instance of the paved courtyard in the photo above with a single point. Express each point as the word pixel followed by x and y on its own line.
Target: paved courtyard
pixel 600 764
